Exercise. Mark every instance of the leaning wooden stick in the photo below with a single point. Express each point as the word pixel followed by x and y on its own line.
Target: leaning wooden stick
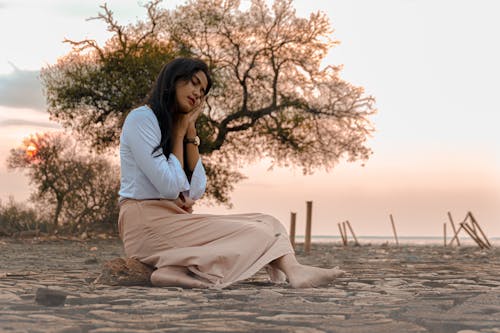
pixel 344 229
pixel 352 232
pixel 394 230
pixel 342 235
pixel 454 230
pixel 474 222
pixel 456 235
pixel 472 225
pixel 471 233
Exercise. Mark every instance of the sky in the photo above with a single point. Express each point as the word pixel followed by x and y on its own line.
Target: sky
pixel 431 65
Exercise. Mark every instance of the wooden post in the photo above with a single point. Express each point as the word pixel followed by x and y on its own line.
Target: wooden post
pixel 344 241
pixel 456 235
pixel 352 232
pixel 474 222
pixel 307 243
pixel 293 218
pixel 473 226
pixel 471 233
pixel 454 231
pixel 444 233
pixel 394 230
pixel 344 229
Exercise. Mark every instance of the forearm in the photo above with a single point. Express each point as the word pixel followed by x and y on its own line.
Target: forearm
pixel 192 152
pixel 178 148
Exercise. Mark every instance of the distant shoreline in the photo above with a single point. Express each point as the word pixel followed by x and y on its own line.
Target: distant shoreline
pixel 423 240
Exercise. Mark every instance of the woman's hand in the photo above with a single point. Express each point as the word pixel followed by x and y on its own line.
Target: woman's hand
pixel 185 203
pixel 185 122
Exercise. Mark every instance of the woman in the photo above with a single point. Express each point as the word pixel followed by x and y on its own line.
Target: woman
pixel 161 178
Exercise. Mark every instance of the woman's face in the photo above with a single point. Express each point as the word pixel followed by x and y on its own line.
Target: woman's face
pixel 189 94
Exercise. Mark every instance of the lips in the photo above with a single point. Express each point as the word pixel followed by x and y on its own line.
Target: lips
pixel 191 100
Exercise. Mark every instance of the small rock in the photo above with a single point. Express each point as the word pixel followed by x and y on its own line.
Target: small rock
pixel 50 297
pixel 90 261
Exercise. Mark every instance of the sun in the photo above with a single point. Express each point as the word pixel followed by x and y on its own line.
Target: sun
pixel 31 150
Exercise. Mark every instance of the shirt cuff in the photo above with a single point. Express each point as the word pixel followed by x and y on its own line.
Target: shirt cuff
pixel 198 181
pixel 180 175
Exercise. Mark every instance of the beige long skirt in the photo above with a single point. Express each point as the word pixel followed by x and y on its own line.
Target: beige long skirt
pixel 219 249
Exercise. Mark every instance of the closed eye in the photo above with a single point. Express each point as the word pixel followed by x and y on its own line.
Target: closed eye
pixel 197 82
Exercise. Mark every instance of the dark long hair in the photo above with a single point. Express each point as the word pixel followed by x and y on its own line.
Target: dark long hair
pixel 161 98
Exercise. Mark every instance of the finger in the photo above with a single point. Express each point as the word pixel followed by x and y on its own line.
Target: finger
pixel 189 201
pixel 195 114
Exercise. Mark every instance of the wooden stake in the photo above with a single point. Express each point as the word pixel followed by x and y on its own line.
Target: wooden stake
pixel 474 222
pixel 352 232
pixel 341 234
pixel 307 244
pixel 456 235
pixel 444 233
pixel 469 215
pixel 394 230
pixel 293 218
pixel 471 233
pixel 454 231
pixel 345 233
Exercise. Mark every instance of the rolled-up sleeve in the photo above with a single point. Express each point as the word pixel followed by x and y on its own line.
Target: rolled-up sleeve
pixel 143 135
pixel 198 181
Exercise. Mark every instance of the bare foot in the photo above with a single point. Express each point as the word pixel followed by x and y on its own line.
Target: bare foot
pixel 275 274
pixel 175 277
pixel 309 277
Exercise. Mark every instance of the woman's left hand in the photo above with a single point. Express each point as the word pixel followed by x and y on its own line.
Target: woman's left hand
pixel 185 203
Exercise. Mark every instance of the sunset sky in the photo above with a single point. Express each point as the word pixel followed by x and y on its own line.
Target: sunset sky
pixel 433 67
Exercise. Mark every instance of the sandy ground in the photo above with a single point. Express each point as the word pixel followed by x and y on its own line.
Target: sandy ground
pixel 387 289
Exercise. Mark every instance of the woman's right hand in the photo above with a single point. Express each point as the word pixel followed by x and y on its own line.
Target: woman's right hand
pixel 184 121
pixel 185 203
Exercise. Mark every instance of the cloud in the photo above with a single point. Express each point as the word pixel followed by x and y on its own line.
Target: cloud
pixel 22 89
pixel 21 122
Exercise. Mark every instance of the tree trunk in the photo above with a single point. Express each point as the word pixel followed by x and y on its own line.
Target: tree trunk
pixel 58 212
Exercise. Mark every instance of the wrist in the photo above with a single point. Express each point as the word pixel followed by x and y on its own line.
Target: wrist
pixel 191 132
pixel 179 133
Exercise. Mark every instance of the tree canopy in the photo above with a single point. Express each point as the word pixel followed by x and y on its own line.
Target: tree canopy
pixel 271 96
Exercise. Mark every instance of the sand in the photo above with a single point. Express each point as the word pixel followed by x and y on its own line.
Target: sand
pixel 387 289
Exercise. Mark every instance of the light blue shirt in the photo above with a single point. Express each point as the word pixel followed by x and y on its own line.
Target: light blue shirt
pixel 144 176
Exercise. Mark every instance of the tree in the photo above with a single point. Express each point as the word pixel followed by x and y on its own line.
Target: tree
pixel 271 97
pixel 90 89
pixel 78 190
pixel 17 217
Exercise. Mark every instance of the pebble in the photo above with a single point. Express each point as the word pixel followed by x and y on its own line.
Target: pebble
pixel 50 297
